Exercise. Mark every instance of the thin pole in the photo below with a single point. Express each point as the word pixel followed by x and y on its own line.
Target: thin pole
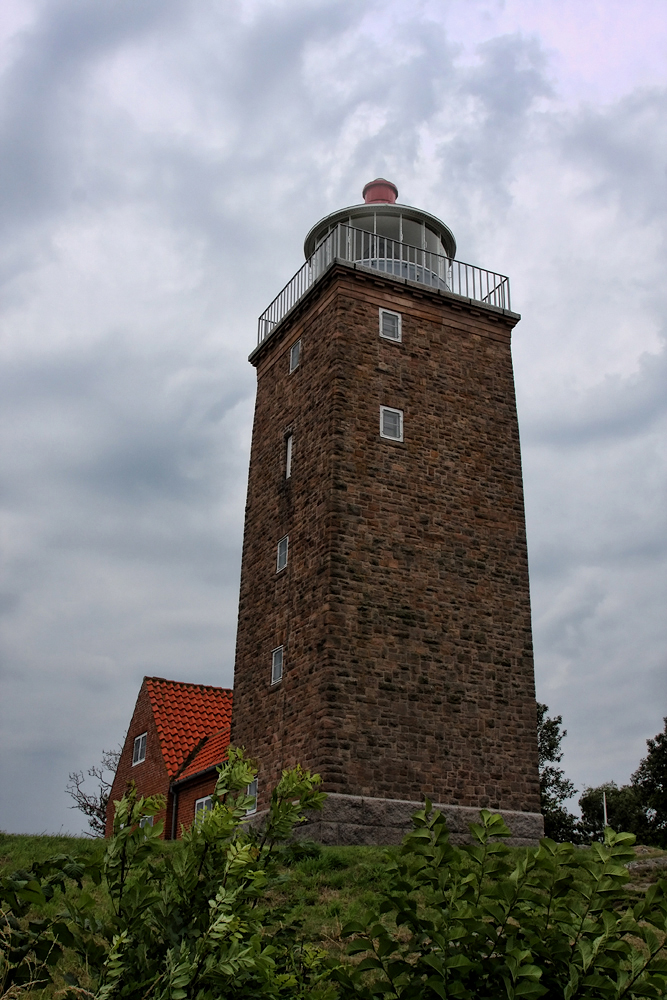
pixel 604 808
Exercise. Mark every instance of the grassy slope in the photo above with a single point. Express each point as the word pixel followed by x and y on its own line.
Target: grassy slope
pixel 21 850
pixel 322 892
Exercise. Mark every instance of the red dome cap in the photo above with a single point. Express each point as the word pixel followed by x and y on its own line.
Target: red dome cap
pixel 380 191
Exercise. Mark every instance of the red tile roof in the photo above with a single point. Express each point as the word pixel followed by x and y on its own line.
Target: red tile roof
pixel 185 714
pixel 212 752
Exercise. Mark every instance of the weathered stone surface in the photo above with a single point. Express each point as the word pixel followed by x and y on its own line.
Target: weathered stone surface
pixel 404 607
pixel 364 820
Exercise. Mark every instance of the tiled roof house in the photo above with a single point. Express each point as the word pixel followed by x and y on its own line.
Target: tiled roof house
pixel 178 736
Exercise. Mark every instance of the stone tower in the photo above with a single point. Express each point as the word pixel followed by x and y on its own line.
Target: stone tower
pixel 384 635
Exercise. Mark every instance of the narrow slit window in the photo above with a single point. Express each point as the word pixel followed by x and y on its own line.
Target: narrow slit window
pixel 281 558
pixel 251 790
pixel 391 423
pixel 277 665
pixel 390 326
pixel 288 456
pixel 139 751
pixel 294 356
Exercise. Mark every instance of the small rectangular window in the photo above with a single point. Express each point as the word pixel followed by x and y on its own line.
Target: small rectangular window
pixel 391 423
pixel 277 665
pixel 288 456
pixel 146 821
pixel 390 325
pixel 139 752
pixel 281 559
pixel 203 806
pixel 251 790
pixel 294 356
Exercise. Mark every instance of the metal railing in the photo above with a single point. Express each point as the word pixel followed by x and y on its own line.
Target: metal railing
pixel 390 257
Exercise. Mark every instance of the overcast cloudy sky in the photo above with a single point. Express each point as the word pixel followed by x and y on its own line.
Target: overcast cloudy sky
pixel 160 164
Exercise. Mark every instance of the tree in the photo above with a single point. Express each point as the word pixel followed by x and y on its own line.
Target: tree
pixel 624 811
pixel 555 788
pixel 650 783
pixel 640 807
pixel 94 804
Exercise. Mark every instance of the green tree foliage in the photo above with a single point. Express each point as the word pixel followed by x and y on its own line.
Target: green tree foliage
pixel 624 811
pixel 650 782
pixel 640 807
pixel 472 922
pixel 555 788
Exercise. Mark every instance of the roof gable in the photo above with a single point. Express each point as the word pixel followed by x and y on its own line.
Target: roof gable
pixel 185 714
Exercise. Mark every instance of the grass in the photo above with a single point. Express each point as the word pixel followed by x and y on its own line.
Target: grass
pixel 320 888
pixel 329 887
pixel 18 850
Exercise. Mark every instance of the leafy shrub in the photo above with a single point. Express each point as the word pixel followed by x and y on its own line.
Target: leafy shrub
pixel 182 923
pixel 472 922
pixel 196 920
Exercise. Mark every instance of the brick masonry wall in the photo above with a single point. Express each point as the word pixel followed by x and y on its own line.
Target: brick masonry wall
pixel 404 609
pixel 150 776
pixel 187 795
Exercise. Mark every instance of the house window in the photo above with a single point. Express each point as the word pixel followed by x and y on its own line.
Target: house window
pixel 288 455
pixel 139 752
pixel 277 665
pixel 281 558
pixel 294 356
pixel 203 806
pixel 146 821
pixel 251 790
pixel 390 325
pixel 391 423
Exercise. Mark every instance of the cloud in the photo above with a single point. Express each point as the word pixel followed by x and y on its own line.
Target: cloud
pixel 161 166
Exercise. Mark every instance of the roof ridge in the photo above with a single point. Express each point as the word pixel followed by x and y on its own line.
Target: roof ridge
pixel 191 684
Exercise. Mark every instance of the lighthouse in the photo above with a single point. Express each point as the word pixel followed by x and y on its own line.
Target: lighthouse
pixel 384 633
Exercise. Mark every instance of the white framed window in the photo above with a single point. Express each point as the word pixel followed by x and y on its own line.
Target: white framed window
pixel 146 821
pixel 281 555
pixel 251 789
pixel 288 455
pixel 391 423
pixel 390 325
pixel 277 665
pixel 294 356
pixel 139 751
pixel 202 806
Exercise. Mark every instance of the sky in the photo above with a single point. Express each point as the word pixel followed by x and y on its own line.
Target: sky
pixel 160 165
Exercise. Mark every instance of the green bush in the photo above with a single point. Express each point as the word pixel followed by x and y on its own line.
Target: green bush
pixel 181 923
pixel 200 920
pixel 473 922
